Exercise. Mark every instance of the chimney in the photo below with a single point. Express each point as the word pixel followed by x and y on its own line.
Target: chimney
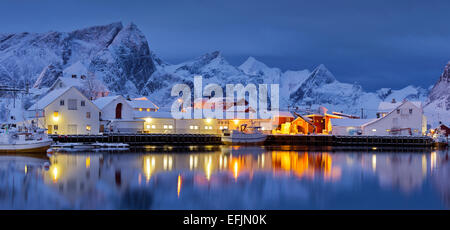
pixel 393 100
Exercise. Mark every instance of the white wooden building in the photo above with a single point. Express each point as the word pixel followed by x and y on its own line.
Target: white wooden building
pixel 117 115
pixel 66 111
pixel 404 118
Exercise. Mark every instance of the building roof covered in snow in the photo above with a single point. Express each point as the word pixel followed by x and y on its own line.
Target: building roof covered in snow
pixel 350 122
pixel 385 106
pixel 49 98
pixel 142 102
pixel 104 101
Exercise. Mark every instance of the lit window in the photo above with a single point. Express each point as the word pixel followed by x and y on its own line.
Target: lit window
pixel 140 109
pixel 191 127
pixel 165 126
pixel 388 130
pixel 148 110
pixel 55 116
pixel 196 127
pixel 170 127
pixel 225 127
pixel 206 127
pixel 221 127
pixel 153 126
pixel 374 130
pixel 88 128
pixel 148 126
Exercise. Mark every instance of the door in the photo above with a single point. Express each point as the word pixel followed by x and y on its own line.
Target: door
pixel 72 129
pixel 119 111
pixel 49 129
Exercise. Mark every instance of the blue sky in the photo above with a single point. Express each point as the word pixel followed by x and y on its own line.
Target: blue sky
pixel 374 43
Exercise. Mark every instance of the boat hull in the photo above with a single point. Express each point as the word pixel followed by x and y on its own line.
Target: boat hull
pixel 244 139
pixel 38 147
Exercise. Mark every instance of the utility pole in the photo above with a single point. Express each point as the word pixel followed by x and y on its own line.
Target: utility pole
pixel 362 113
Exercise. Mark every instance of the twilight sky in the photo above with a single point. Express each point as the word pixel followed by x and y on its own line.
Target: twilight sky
pixel 378 43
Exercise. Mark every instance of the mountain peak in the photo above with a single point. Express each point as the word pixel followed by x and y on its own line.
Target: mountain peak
pixel 321 75
pixel 253 66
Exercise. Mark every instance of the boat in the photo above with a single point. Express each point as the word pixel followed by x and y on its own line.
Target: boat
pixel 244 136
pixel 13 140
pixel 440 141
pixel 90 146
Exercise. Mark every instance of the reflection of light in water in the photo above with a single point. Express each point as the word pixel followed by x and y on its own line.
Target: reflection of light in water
pixel 170 163
pixel 433 161
pixel 88 162
pixel 374 162
pixel 220 162
pixel 191 162
pixel 195 161
pixel 224 162
pixel 148 168
pixel 165 162
pixel 26 170
pixel 55 173
pixel 208 169
pixel 236 168
pixel 424 165
pixel 262 160
pixel 179 185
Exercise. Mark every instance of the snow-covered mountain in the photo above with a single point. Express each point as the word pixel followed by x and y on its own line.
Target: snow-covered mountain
pixel 118 55
pixel 121 58
pixel 437 106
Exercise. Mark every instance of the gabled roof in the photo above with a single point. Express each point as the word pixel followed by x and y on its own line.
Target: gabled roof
pixel 54 95
pixel 102 102
pixel 49 98
pixel 395 108
pixel 68 82
pixel 385 106
pixel 137 103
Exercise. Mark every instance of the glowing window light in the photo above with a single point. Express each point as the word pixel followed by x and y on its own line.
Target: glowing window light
pixel 148 110
pixel 140 109
pixel 236 122
pixel 191 127
pixel 153 126
pixel 148 119
pixel 88 128
pixel 170 127
pixel 148 126
pixel 165 126
pixel 374 130
pixel 56 116
pixel 206 127
pixel 208 120
pixel 221 127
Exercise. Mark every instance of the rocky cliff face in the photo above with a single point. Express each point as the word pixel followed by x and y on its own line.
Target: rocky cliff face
pixel 118 55
pixel 438 103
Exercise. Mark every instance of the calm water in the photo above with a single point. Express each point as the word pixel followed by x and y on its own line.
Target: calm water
pixel 227 178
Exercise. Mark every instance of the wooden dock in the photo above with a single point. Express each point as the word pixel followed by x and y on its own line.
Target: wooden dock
pixel 207 139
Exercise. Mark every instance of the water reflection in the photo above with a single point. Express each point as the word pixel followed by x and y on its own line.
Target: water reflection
pixel 229 178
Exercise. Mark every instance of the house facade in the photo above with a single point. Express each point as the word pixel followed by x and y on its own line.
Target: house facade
pixel 117 115
pixel 66 111
pixel 406 118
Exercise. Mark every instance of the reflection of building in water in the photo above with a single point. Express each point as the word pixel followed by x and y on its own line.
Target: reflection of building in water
pixel 441 178
pixel 405 171
pixel 305 165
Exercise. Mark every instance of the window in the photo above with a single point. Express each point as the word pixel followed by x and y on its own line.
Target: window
pixel 88 128
pixel 374 130
pixel 153 126
pixel 72 104
pixel 61 102
pixel 170 127
pixel 410 111
pixel 191 127
pixel 55 127
pixel 148 126
pixel 83 103
pixel 165 127
pixel 195 127
pixel 148 110
pixel 398 111
pixel 88 114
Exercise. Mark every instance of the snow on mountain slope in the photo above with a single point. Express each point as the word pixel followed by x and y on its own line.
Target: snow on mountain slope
pixel 437 107
pixel 322 89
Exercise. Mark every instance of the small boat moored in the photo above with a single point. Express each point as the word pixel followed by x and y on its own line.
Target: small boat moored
pixel 244 136
pixel 31 140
